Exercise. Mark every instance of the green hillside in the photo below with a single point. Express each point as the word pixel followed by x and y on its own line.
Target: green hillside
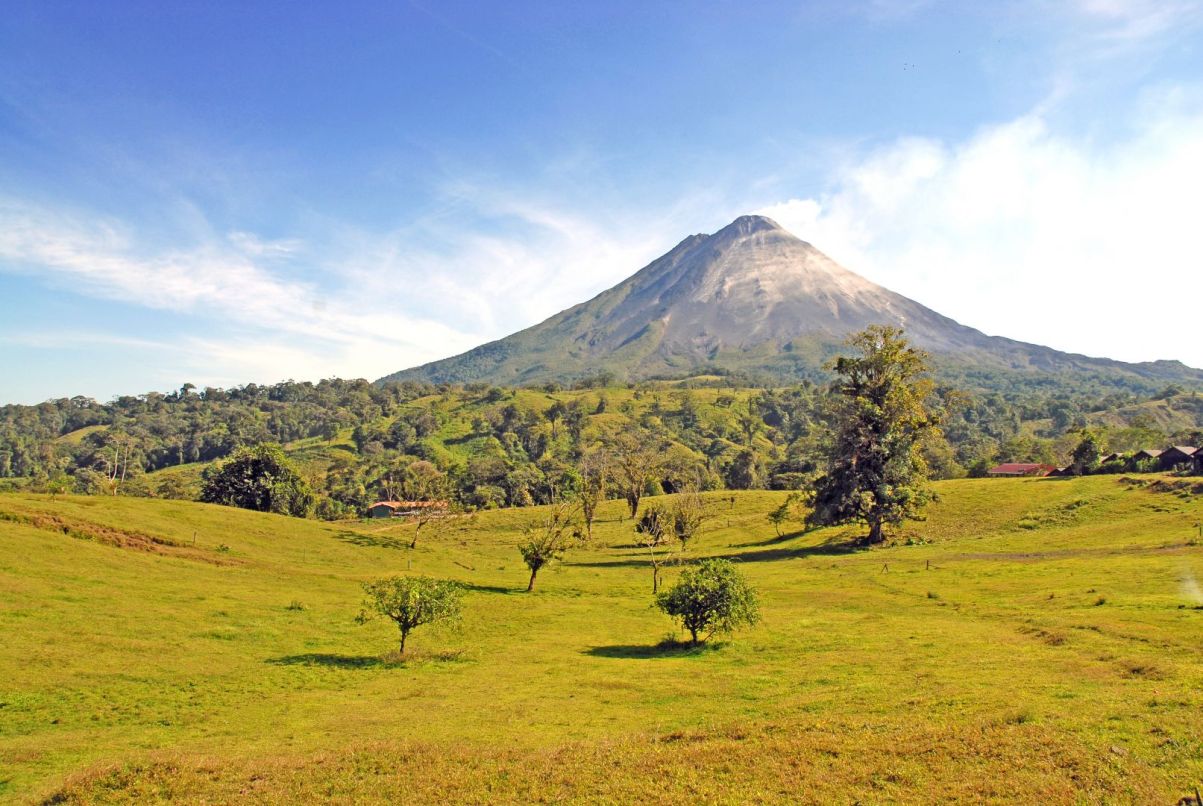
pixel 496 447
pixel 1036 641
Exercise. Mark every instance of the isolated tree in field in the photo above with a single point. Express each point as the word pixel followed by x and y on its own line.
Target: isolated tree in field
pixel 259 478
pixel 411 602
pixel 784 513
pixel 548 538
pixel 637 458
pixel 594 470
pixel 712 598
pixel 1087 453
pixel 879 416
pixel 651 533
pixel 436 522
pixel 688 516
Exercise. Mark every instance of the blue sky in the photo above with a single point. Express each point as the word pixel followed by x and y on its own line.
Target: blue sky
pixel 224 193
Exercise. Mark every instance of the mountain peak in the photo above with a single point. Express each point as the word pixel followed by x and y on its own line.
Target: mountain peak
pixel 749 224
pixel 751 297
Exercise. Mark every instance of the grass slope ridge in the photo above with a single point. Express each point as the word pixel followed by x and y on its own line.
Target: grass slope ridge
pixel 753 298
pixel 1035 642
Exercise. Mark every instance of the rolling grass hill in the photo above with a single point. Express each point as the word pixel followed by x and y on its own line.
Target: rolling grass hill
pixel 1036 641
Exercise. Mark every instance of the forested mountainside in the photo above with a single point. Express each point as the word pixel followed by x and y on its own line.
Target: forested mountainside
pixel 357 442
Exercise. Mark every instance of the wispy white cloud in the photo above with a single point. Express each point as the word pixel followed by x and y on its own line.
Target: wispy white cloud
pixel 505 259
pixel 235 284
pixel 1136 21
pixel 1027 233
pixel 499 260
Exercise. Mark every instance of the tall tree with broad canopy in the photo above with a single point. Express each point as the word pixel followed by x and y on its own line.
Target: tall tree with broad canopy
pixel 411 602
pixel 1087 452
pixel 881 412
pixel 259 478
pixel 711 598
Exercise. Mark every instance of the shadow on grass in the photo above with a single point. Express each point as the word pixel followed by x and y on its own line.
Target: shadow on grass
pixel 332 660
pixel 826 549
pixel 373 541
pixel 664 649
pixel 390 660
pixel 773 540
pixel 472 586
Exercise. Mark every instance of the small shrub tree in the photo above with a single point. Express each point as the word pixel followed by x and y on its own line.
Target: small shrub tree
pixel 548 539
pixel 650 532
pixel 436 522
pixel 711 598
pixel 411 602
pixel 786 512
pixel 688 516
pixel 594 470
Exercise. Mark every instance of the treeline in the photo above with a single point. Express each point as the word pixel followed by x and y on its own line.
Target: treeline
pixel 483 446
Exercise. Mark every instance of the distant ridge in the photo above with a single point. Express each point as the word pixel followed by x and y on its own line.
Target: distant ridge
pixel 753 298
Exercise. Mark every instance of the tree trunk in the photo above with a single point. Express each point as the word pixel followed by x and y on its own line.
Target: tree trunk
pixel 875 535
pixel 404 635
pixel 693 631
pixel 531 585
pixel 655 579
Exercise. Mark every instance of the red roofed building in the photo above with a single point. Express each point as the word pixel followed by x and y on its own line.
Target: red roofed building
pixel 389 509
pixel 1020 469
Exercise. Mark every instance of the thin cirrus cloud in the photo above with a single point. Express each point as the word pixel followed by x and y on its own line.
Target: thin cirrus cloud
pixel 1028 233
pixel 297 329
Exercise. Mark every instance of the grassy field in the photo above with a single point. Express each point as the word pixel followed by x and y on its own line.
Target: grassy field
pixel 1033 641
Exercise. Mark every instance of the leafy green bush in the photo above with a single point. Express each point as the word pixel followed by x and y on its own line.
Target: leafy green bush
pixel 411 602
pixel 712 598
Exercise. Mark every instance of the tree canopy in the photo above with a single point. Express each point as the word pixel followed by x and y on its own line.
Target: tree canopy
pixel 881 412
pixel 259 478
pixel 711 598
pixel 411 602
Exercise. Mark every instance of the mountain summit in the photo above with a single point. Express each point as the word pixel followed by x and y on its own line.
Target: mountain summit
pixel 755 298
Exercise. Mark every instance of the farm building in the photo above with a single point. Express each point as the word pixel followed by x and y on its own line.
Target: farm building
pixel 1020 469
pixel 1068 470
pixel 1199 461
pixel 394 509
pixel 1176 455
pixel 1144 456
pixel 383 509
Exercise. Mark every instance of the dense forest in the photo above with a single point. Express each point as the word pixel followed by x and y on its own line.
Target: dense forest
pixel 357 442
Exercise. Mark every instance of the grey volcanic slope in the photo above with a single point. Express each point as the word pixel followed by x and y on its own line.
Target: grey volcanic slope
pixel 752 298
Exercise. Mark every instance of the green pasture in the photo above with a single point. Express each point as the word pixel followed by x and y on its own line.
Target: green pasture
pixel 1033 640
